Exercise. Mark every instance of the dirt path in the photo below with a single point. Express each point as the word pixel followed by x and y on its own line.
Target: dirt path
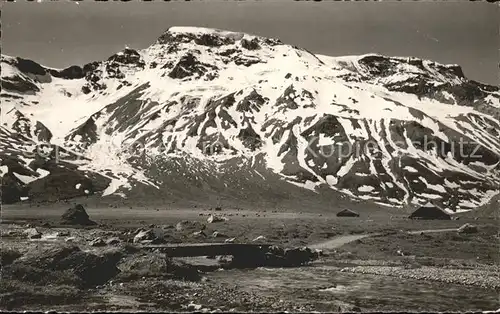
pixel 339 241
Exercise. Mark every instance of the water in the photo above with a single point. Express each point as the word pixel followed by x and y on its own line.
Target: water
pixel 323 285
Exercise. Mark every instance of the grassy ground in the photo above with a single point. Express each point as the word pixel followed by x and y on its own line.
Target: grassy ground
pixel 279 227
pixel 142 283
pixel 483 247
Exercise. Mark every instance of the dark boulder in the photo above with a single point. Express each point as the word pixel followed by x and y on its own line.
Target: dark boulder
pixel 77 216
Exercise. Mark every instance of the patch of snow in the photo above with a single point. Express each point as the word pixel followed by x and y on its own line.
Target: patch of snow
pixel 24 179
pixel 410 169
pixel 3 170
pixel 366 188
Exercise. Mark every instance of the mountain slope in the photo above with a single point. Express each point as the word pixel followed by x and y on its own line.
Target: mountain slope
pixel 209 109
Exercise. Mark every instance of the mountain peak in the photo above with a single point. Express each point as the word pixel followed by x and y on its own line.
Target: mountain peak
pixel 204 31
pixel 218 99
pixel 208 36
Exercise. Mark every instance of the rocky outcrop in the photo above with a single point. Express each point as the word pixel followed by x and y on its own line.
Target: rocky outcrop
pixel 189 66
pixel 76 215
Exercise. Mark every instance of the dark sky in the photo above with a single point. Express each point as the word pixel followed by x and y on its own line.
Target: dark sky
pixel 60 34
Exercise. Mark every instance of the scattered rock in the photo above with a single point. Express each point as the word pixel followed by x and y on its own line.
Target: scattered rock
pixel 468 228
pixel 194 307
pixel 32 233
pixel 97 242
pixel 189 225
pixel 259 238
pixel 113 241
pixel 199 234
pixel 217 234
pixel 215 218
pixel 344 307
pixel 63 233
pixel 77 216
pixel 145 236
pixel 150 265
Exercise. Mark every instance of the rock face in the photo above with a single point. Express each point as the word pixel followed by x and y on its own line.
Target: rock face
pixel 201 109
pixel 76 216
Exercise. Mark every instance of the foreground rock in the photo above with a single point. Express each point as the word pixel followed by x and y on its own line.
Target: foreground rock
pixel 147 236
pixel 8 256
pixel 63 265
pixel 156 265
pixel 76 216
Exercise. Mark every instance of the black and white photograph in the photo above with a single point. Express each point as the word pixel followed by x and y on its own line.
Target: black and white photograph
pixel 250 156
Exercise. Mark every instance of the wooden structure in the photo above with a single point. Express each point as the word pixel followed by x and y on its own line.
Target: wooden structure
pixel 430 211
pixel 209 249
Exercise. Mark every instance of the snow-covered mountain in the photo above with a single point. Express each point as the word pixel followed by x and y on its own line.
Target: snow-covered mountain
pixel 210 109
